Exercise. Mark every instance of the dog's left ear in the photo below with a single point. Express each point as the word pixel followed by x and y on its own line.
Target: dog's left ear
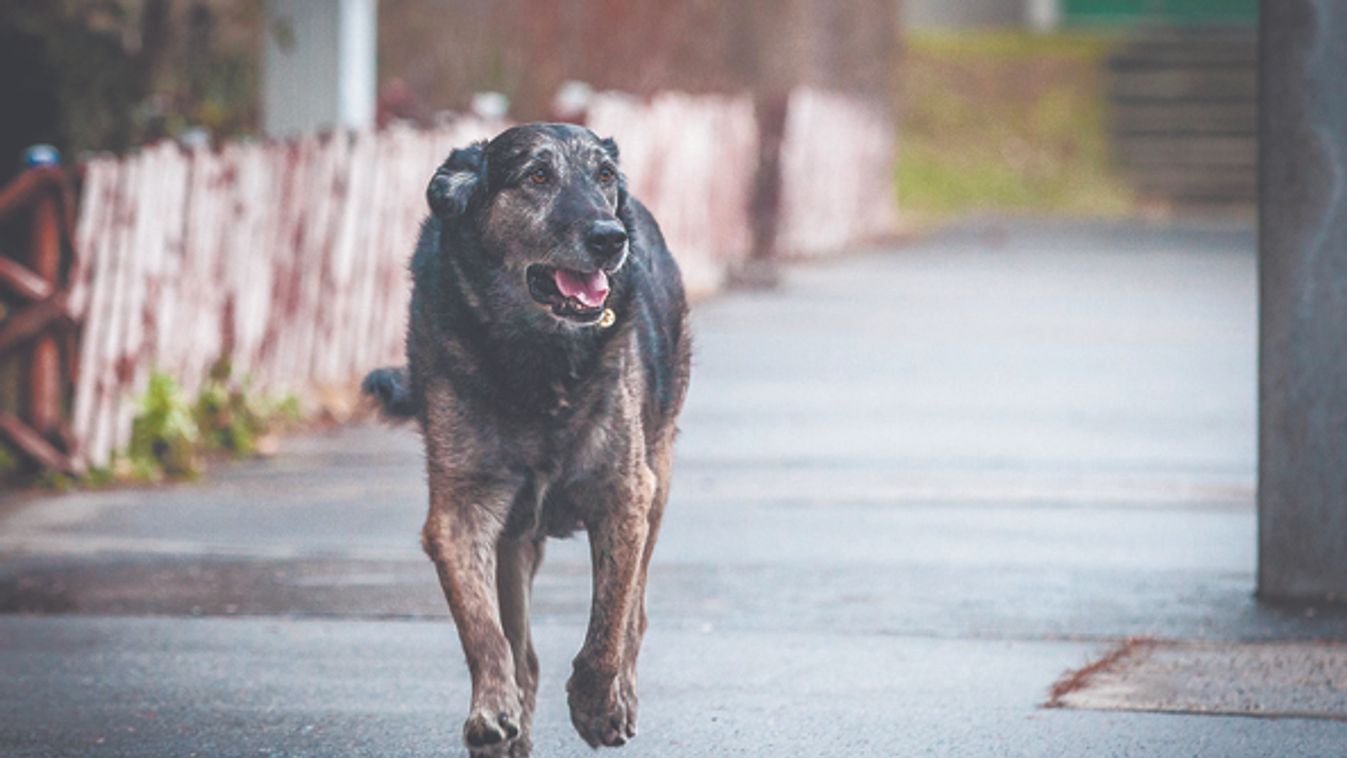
pixel 610 147
pixel 457 181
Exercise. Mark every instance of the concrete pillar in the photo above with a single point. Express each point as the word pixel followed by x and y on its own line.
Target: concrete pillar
pixel 1302 387
pixel 319 65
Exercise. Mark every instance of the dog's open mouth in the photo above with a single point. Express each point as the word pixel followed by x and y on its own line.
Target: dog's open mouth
pixel 577 295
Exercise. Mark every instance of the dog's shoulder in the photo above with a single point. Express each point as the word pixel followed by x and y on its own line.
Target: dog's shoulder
pixel 659 311
pixel 659 282
pixel 425 258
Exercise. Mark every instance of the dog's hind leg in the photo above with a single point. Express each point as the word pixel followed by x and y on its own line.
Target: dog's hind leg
pixel 517 564
pixel 603 704
pixel 461 534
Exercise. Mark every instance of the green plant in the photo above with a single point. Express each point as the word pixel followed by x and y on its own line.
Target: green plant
pixel 9 465
pixel 172 435
pixel 97 477
pixel 232 417
pixel 57 481
pixel 164 436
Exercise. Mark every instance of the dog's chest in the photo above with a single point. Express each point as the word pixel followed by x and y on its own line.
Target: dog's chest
pixel 572 462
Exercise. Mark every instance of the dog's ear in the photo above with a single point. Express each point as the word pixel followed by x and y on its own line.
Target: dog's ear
pixel 610 147
pixel 457 181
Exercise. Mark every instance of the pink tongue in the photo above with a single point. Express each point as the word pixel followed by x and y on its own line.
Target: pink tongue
pixel 589 289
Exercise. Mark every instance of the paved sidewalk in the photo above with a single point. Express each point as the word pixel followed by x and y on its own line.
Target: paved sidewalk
pixel 915 488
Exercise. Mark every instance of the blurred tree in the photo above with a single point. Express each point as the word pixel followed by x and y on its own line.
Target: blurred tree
pixel 445 50
pixel 109 74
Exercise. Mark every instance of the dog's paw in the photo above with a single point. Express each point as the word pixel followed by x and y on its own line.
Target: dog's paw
pixel 603 709
pixel 490 733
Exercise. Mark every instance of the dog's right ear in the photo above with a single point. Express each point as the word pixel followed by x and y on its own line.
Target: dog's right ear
pixel 457 181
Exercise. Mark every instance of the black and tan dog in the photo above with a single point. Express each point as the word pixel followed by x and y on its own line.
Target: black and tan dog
pixel 547 360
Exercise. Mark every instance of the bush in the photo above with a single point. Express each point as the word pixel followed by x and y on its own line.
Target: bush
pixel 165 438
pixel 171 437
pixel 232 418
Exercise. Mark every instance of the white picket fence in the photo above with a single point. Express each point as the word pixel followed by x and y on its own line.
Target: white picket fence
pixel 693 161
pixel 289 258
pixel 837 175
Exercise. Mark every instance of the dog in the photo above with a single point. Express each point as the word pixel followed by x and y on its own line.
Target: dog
pixel 548 358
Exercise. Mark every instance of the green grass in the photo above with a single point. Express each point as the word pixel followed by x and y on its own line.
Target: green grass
pixel 1006 122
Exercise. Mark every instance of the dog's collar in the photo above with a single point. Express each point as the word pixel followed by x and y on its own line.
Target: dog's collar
pixel 607 319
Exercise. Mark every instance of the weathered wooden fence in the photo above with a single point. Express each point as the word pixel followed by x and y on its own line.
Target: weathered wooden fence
pixel 289 258
pixel 837 183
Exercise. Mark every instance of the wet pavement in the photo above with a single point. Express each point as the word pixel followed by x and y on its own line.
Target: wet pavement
pixel 915 488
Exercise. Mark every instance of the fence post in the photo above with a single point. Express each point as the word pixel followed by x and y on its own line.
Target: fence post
pixel 44 357
pixel 37 333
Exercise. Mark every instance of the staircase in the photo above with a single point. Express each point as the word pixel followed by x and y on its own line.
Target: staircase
pixel 1184 116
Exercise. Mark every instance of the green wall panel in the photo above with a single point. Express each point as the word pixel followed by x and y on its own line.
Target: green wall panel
pixel 1228 12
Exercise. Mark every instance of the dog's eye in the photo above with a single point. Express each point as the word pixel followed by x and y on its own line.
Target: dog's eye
pixel 606 174
pixel 539 176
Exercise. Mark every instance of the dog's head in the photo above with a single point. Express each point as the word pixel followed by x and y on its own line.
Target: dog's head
pixel 545 205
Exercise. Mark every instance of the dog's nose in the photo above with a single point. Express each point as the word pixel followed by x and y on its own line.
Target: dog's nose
pixel 605 240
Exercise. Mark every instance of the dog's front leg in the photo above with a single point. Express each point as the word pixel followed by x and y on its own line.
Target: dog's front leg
pixel 461 533
pixel 517 563
pixel 603 704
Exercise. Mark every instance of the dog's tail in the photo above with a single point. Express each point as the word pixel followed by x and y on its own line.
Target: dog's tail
pixel 391 387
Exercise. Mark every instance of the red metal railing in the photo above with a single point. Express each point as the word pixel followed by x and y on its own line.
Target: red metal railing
pixel 38 336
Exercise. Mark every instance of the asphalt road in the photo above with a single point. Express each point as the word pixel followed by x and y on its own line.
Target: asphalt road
pixel 915 487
